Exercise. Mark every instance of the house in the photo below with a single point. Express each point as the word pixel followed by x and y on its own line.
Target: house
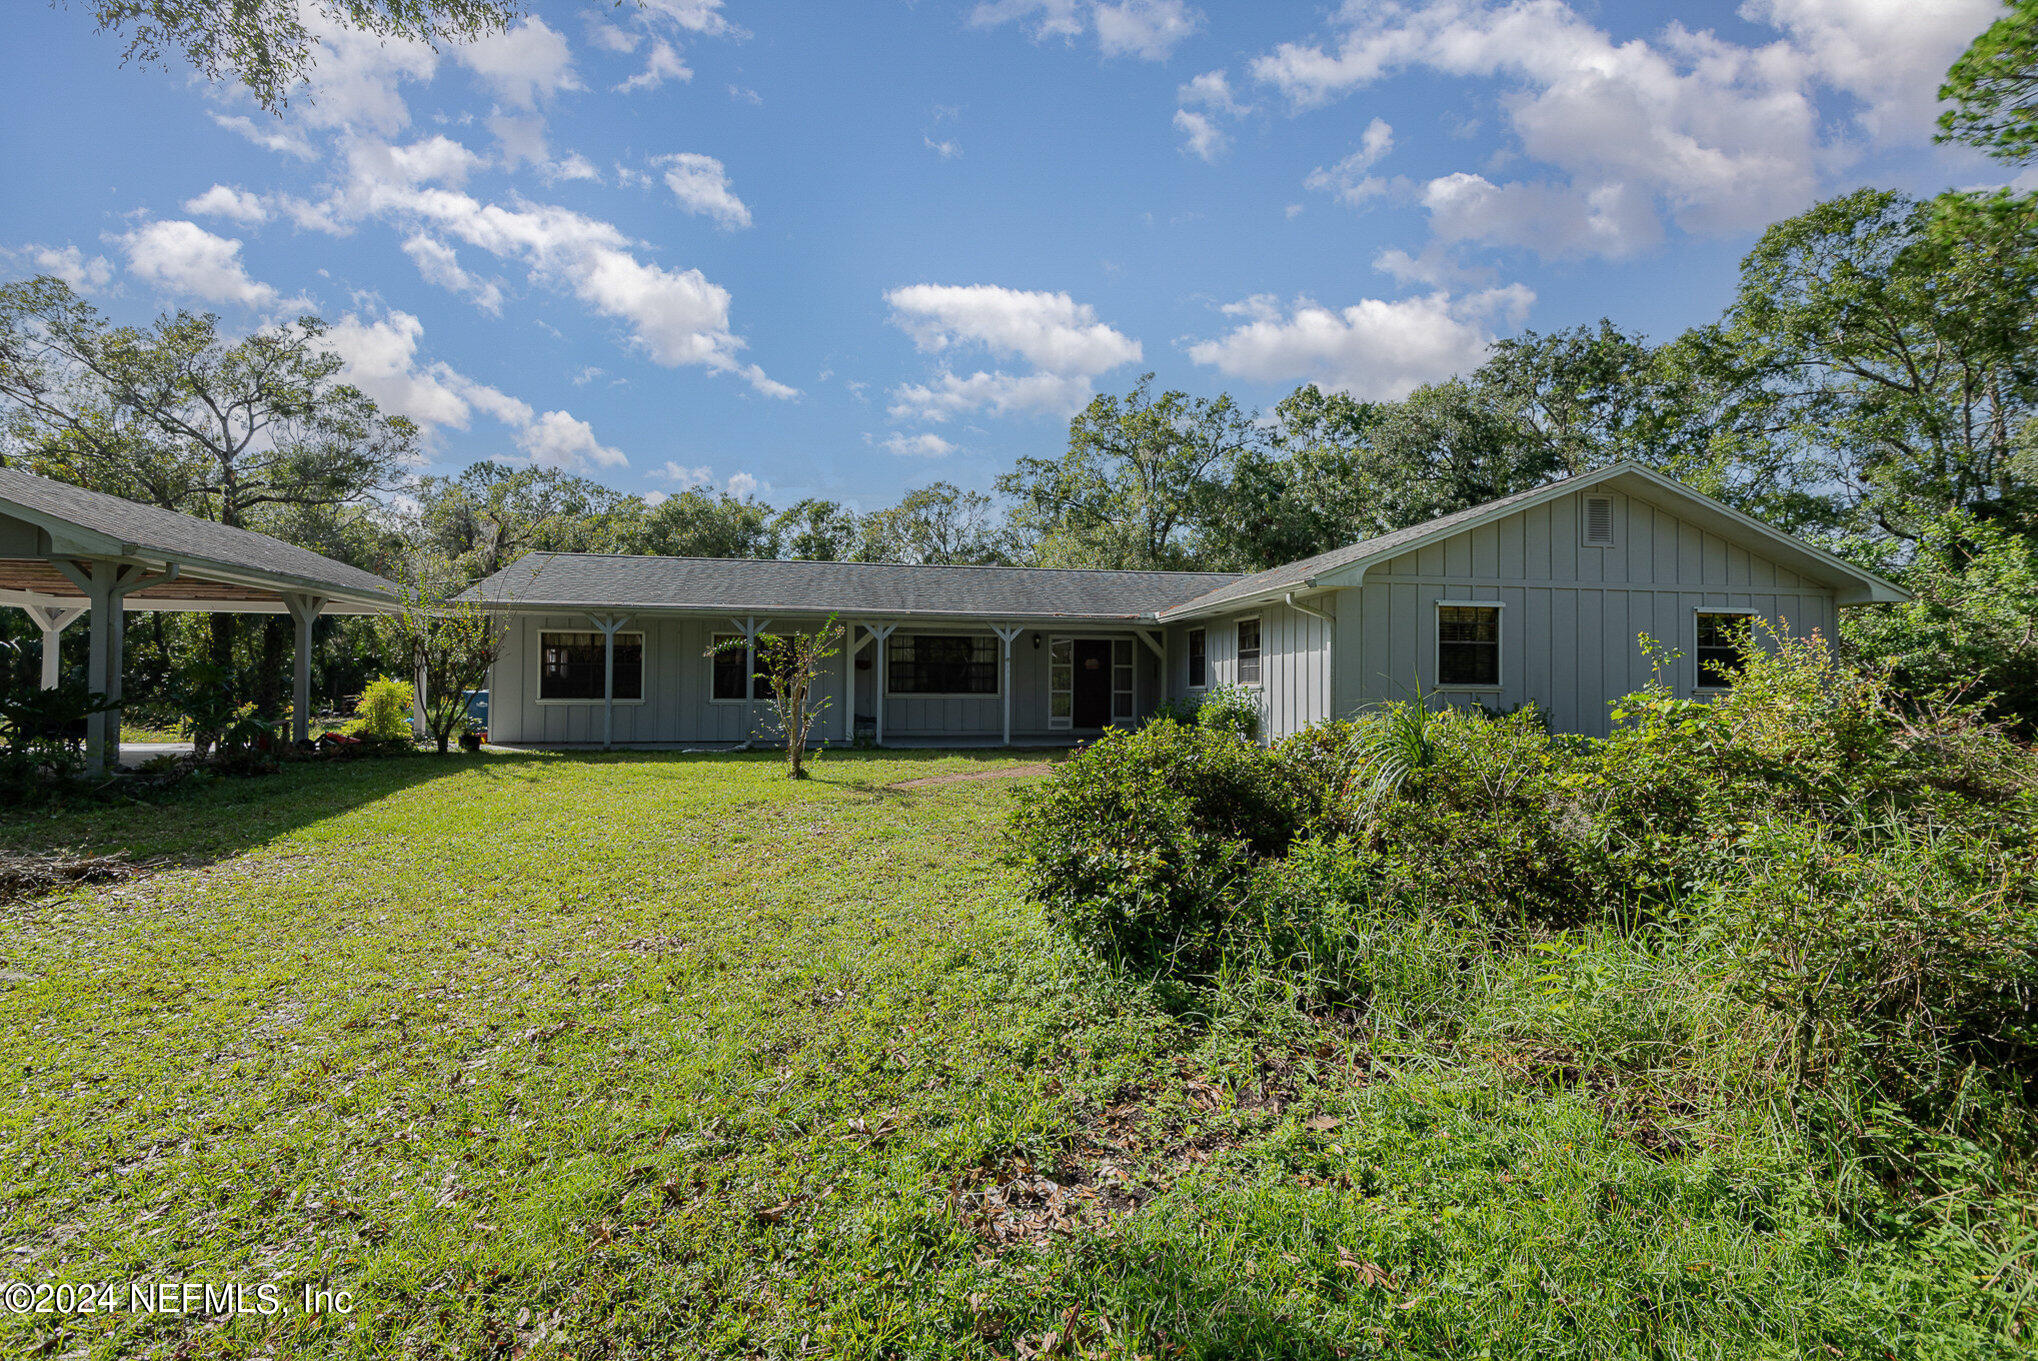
pixel 1537 597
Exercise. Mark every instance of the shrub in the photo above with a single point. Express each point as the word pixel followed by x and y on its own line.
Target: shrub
pixel 383 713
pixel 1140 845
pixel 1182 710
pixel 1319 757
pixel 1233 709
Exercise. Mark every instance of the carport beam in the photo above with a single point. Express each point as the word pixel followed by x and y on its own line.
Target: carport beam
pixel 53 620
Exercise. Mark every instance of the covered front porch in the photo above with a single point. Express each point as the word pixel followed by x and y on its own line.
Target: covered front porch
pixel 70 556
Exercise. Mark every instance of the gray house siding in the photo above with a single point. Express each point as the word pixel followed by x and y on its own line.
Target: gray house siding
pixel 1295 661
pixel 1570 615
pixel 678 704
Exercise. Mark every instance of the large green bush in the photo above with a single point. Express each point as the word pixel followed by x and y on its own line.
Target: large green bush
pixel 1141 845
pixel 384 713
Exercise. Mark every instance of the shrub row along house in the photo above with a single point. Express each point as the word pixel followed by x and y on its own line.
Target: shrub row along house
pixel 1539 597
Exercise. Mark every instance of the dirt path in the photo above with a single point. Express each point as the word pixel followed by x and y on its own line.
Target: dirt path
pixel 963 776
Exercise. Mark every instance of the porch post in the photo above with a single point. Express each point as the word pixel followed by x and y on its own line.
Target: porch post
pixel 52 620
pixel 880 636
pixel 608 624
pixel 105 585
pixel 849 683
pixel 1005 637
pixel 304 612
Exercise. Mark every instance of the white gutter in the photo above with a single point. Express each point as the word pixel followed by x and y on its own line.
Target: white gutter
pixel 1289 601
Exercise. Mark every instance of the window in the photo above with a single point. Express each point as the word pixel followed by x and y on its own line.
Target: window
pixel 1724 637
pixel 571 666
pixel 941 664
pixel 1468 645
pixel 1199 663
pixel 730 661
pixel 1061 682
pixel 1248 652
pixel 1599 522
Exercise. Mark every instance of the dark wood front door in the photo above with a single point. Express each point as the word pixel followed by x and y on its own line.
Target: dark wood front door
pixel 1093 682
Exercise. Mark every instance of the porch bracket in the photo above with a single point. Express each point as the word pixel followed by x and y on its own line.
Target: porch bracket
pixel 1005 637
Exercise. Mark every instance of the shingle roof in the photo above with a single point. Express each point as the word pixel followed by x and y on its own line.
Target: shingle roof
pixel 156 531
pixel 595 581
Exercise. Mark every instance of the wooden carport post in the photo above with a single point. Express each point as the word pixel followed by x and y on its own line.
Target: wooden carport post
pixel 304 612
pixel 881 635
pixel 1005 636
pixel 52 620
pixel 106 584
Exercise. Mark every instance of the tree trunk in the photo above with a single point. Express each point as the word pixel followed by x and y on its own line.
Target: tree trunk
pixel 222 626
pixel 270 670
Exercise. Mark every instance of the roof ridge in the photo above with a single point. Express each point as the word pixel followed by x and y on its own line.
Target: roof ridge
pixel 841 562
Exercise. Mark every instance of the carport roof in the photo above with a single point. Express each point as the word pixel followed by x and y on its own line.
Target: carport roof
pixel 236 568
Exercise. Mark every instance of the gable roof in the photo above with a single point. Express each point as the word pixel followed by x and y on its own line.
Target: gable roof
pixel 585 581
pixel 1347 566
pixel 95 524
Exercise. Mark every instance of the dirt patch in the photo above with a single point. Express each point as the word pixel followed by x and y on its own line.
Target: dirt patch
pixel 23 875
pixel 966 776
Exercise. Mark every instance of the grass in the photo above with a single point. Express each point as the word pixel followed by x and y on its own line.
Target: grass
pixel 656 1055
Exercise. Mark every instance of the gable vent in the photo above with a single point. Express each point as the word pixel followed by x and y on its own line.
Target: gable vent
pixel 1599 521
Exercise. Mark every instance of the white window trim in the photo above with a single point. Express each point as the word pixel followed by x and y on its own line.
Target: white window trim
pixel 709 689
pixel 1068 724
pixel 1697 610
pixel 998 664
pixel 538 668
pixel 1436 646
pixel 1260 656
pixel 1585 519
pixel 1204 684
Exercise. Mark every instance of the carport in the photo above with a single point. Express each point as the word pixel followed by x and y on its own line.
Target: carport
pixel 67 553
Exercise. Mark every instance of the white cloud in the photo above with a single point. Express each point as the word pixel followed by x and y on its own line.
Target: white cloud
pixel 1724 137
pixel 1211 90
pixel 438 264
pixel 380 356
pixel 522 140
pixel 927 445
pixel 661 64
pixel 1374 349
pixel 1348 180
pixel 1000 393
pixel 437 159
pixel 611 37
pixel 523 65
pixel 69 264
pixel 356 78
pixel 557 440
pixel 1061 338
pixel 947 149
pixel 1555 221
pixel 270 136
pixel 696 16
pixel 1051 331
pixel 226 201
pixel 1889 54
pixel 184 259
pixel 683 477
pixel 1200 134
pixel 743 485
pixel 701 184
pixel 1148 29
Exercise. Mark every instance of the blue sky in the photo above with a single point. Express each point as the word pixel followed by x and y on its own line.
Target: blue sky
pixel 843 250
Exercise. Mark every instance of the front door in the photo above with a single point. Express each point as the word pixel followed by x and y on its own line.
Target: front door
pixel 1093 682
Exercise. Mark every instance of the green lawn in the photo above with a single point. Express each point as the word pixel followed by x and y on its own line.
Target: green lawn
pixel 657 1055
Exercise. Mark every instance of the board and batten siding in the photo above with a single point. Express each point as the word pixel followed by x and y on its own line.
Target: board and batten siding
pixel 677 704
pixel 1295 662
pixel 1571 614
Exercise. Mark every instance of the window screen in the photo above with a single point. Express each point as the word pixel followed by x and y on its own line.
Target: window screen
pixel 1723 643
pixel 570 666
pixel 1248 652
pixel 1468 645
pixel 941 664
pixel 1199 664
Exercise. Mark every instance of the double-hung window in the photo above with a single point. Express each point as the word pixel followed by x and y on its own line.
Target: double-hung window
pixel 1248 652
pixel 1199 660
pixel 731 663
pixel 1468 646
pixel 941 664
pixel 572 666
pixel 1724 637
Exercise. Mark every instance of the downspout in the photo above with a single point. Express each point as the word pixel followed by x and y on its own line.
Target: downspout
pixel 1289 600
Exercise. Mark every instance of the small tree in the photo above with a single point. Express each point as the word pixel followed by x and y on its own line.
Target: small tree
pixel 449 644
pixel 789 664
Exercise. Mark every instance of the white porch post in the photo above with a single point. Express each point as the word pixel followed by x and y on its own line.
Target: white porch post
pixel 880 636
pixel 750 628
pixel 52 620
pixel 1005 637
pixel 848 683
pixel 304 612
pixel 608 625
